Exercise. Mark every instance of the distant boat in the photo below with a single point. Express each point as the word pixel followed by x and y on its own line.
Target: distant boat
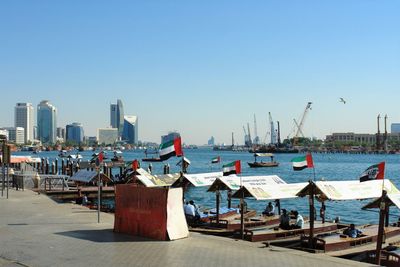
pixel 152 159
pixel 273 149
pixel 258 164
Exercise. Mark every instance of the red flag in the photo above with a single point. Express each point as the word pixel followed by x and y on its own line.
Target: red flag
pixel 178 147
pixel 310 163
pixel 101 157
pixel 135 164
pixel 373 172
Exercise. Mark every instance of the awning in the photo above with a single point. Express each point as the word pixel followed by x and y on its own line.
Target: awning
pixel 23 159
pixel 232 182
pixel 268 192
pixel 348 190
pixel 199 179
pixel 156 180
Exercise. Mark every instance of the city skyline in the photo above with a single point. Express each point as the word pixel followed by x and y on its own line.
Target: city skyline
pixel 204 69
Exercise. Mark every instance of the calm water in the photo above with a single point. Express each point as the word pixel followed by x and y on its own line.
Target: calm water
pixel 327 166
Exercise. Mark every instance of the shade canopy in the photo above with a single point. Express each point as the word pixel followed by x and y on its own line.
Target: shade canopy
pixel 348 190
pixel 270 192
pixel 150 180
pixel 199 179
pixel 233 182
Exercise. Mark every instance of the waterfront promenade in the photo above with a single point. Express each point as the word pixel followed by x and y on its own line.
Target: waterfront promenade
pixel 36 231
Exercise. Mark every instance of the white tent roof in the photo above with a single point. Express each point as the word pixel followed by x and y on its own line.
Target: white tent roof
pixel 349 190
pixel 271 191
pixel 233 182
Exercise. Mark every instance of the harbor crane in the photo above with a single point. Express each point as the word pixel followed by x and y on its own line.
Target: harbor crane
pixel 249 136
pixel 256 138
pixel 272 129
pixel 301 124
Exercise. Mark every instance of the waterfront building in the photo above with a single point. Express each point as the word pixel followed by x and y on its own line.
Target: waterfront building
pixel 367 139
pixel 169 137
pixel 3 134
pixel 117 117
pixel 46 122
pixel 107 136
pixel 23 117
pixel 61 133
pixel 395 128
pixel 91 140
pixel 130 132
pixel 74 132
pixel 211 141
pixel 16 134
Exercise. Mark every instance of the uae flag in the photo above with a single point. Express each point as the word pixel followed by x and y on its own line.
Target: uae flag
pixel 300 163
pixel 171 149
pixel 216 159
pixel 135 164
pixel 232 168
pixel 373 172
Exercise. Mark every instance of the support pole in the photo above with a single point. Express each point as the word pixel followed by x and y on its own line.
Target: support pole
pixel 312 215
pixel 229 198
pixel 381 229
pixel 242 216
pixel 98 196
pixel 217 193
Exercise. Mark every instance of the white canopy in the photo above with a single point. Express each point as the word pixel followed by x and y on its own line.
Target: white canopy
pixel 271 191
pixel 156 180
pixel 201 179
pixel 348 190
pixel 232 182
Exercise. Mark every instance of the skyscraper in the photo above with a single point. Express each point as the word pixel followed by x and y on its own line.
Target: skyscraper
pixel 75 132
pixel 130 132
pixel 23 117
pixel 47 122
pixel 117 117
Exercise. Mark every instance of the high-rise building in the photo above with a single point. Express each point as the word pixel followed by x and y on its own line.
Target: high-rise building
pixel 395 128
pixel 23 117
pixel 61 133
pixel 16 134
pixel 211 141
pixel 107 136
pixel 75 132
pixel 117 117
pixel 47 122
pixel 3 134
pixel 130 132
pixel 169 137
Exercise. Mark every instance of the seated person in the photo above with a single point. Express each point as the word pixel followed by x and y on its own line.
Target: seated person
pixel 352 231
pixel 189 211
pixel 284 220
pixel 196 209
pixel 269 210
pixel 299 221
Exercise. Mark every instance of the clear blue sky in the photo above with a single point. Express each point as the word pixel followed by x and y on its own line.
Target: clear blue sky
pixel 204 67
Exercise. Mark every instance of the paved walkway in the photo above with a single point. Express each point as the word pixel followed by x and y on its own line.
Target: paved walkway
pixel 36 231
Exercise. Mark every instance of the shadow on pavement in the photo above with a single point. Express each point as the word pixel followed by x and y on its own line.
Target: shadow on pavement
pixel 104 235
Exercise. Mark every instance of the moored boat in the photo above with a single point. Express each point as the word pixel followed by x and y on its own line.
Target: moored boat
pixel 258 164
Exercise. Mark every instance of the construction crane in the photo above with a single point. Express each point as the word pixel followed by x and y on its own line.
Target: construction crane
pixel 301 124
pixel 248 134
pixel 246 138
pixel 256 138
pixel 272 128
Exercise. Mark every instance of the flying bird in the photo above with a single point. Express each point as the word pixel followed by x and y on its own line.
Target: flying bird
pixel 342 100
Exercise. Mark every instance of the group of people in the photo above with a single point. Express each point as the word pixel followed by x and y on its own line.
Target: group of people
pixel 191 211
pixel 285 217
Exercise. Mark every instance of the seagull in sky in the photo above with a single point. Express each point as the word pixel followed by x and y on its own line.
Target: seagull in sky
pixel 342 100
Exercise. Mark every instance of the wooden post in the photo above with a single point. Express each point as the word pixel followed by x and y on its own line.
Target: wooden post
pixel 242 215
pixel 56 165
pixel 312 215
pixel 381 229
pixel 62 167
pixel 217 201
pixel 229 198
